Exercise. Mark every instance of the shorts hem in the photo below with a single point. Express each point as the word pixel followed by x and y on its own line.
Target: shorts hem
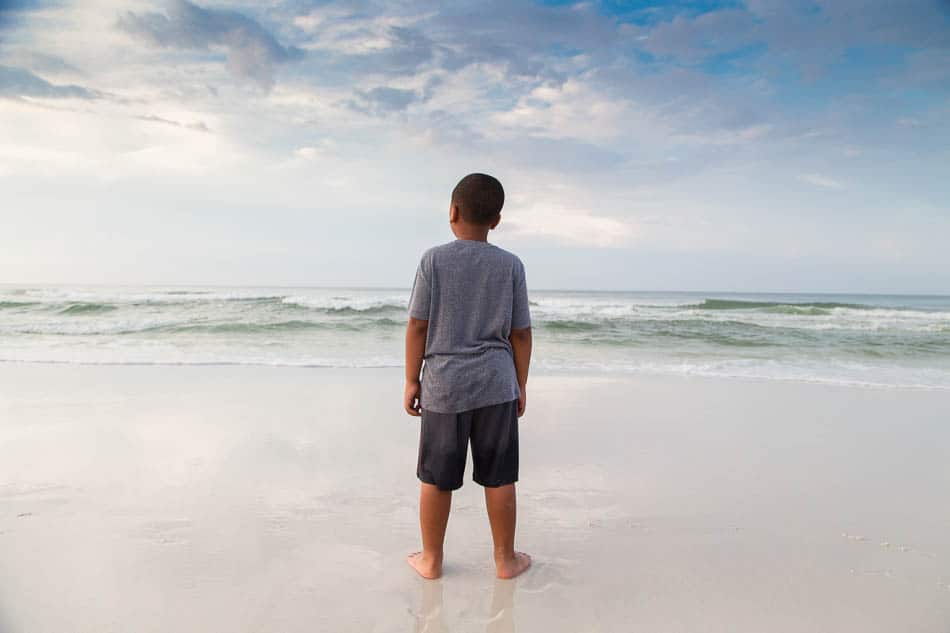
pixel 431 482
pixel 504 482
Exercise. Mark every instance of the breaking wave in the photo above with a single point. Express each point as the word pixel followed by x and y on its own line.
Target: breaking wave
pixel 894 340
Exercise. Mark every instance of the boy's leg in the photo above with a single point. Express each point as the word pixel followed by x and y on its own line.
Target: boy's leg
pixel 443 444
pixel 495 451
pixel 502 513
pixel 434 506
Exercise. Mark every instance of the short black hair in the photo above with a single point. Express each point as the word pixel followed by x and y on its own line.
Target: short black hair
pixel 479 198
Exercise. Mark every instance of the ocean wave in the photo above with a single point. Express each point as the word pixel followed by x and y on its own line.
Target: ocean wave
pixel 279 326
pixel 905 340
pixel 819 307
pixel 356 311
pixel 573 325
pixel 238 299
pixel 343 306
pixel 774 334
pixel 88 308
pixel 294 325
pixel 315 363
pixel 244 328
pixel 651 325
pixel 152 327
pixel 17 304
pixel 59 297
pixel 780 318
pixel 78 302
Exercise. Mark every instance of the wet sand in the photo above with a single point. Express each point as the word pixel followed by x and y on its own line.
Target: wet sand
pixel 269 499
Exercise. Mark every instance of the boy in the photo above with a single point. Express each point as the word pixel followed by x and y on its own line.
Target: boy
pixel 469 321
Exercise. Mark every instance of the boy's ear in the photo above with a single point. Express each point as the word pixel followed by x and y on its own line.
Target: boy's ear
pixel 453 213
pixel 495 222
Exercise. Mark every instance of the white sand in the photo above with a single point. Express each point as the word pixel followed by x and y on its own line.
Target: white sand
pixel 209 499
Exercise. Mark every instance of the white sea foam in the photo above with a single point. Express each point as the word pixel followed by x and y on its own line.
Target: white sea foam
pixel 344 302
pixel 914 380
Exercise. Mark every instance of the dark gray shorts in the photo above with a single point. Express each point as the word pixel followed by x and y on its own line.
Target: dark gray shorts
pixel 443 446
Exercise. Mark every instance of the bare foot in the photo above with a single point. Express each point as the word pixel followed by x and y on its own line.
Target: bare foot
pixel 426 567
pixel 512 567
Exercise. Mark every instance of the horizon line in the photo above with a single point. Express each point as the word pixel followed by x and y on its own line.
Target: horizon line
pixel 407 288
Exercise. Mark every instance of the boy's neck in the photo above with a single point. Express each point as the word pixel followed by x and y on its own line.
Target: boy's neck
pixel 471 233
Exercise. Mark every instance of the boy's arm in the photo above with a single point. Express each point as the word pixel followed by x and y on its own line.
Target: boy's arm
pixel 520 337
pixel 416 331
pixel 520 340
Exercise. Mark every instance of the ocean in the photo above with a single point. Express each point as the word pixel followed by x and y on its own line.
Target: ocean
pixel 886 341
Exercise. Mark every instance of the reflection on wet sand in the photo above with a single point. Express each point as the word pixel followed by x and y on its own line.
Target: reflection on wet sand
pixel 430 614
pixel 124 490
pixel 501 617
pixel 430 617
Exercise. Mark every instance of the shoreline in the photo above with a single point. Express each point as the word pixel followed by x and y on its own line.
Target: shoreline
pixel 536 370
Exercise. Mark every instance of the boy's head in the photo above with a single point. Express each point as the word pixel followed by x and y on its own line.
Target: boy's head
pixel 478 199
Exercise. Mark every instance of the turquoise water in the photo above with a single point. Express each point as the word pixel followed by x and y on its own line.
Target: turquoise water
pixel 873 340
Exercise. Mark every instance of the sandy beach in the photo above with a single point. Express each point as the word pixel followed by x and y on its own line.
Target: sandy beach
pixel 282 499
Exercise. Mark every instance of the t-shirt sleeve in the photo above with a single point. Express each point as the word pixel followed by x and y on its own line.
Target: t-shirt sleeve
pixel 421 293
pixel 520 312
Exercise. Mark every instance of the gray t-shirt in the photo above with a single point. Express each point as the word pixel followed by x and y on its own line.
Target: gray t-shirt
pixel 472 294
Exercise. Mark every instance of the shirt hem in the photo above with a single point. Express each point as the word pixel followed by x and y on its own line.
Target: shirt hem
pixel 477 405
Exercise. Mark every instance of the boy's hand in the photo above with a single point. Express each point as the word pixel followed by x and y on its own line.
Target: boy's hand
pixel 522 401
pixel 410 401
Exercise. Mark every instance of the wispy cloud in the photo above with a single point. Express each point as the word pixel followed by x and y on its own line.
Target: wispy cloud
pixel 383 100
pixel 252 50
pixel 199 126
pixel 572 227
pixel 39 62
pixel 19 82
pixel 821 181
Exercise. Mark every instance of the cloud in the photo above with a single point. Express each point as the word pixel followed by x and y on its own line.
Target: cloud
pixel 198 126
pixel 40 62
pixel 572 109
pixel 18 82
pixel 693 39
pixel 821 181
pixel 252 50
pixel 517 37
pixel 909 121
pixel 410 48
pixel 576 227
pixel 527 38
pixel 383 100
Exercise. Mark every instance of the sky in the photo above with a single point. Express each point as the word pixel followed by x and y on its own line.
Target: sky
pixel 764 145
